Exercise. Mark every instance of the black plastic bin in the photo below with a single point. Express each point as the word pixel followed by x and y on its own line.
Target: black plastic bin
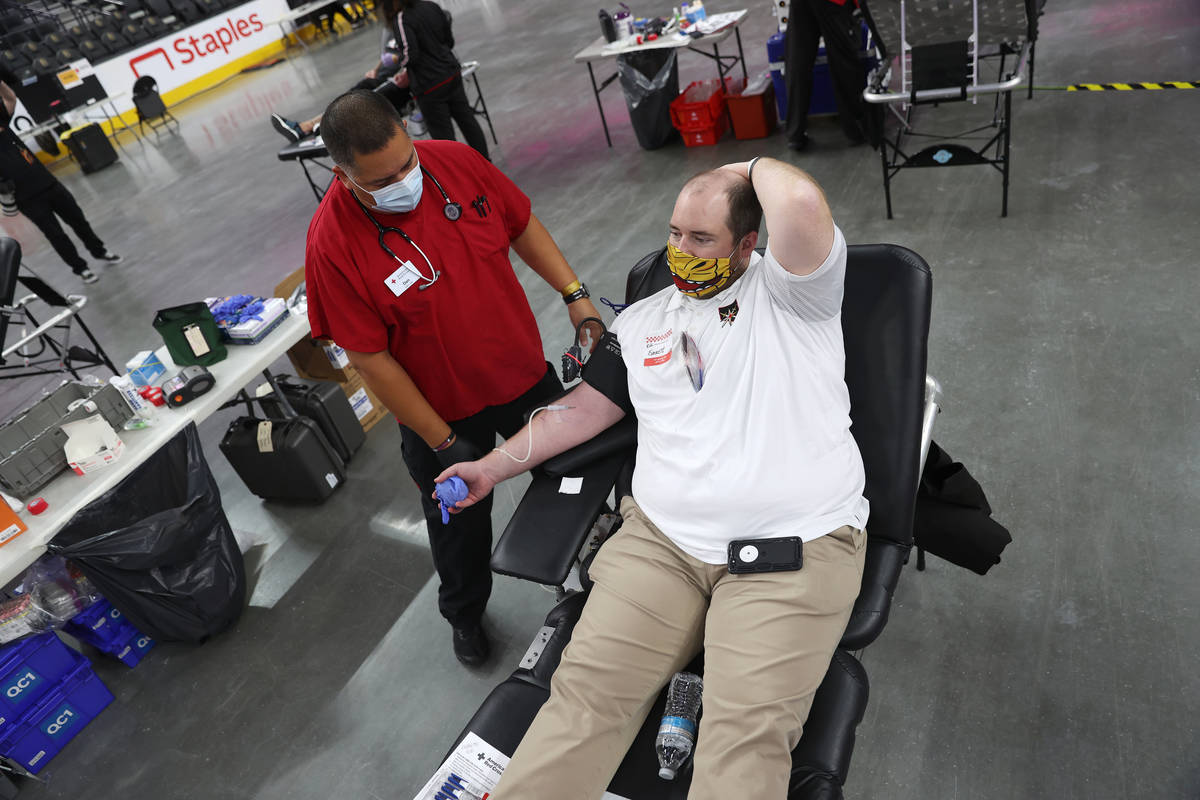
pixel 650 81
pixel 159 548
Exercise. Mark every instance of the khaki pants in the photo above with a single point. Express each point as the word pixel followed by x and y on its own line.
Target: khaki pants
pixel 768 639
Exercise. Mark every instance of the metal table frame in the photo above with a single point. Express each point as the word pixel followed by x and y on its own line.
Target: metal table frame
pixel 725 64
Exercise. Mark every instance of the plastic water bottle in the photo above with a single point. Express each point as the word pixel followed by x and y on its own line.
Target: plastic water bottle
pixel 677 732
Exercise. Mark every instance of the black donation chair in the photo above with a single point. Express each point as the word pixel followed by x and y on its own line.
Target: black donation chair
pixel 885 321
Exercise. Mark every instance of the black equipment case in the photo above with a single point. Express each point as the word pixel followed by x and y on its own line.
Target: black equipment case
pixel 285 457
pixel 90 147
pixel 326 404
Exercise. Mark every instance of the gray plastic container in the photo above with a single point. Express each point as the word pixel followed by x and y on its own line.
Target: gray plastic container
pixel 31 443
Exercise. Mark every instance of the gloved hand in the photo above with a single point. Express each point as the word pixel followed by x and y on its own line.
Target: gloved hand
pixel 460 450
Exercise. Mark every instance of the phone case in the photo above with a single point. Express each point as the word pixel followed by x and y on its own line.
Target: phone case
pixel 782 554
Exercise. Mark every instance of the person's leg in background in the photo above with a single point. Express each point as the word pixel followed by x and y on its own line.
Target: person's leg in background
pixel 461 549
pixel 768 642
pixel 65 206
pixel 399 97
pixel 843 39
pixel 436 112
pixel 643 621
pixel 803 39
pixel 40 211
pixel 464 115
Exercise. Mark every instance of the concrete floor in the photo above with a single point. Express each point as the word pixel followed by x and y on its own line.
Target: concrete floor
pixel 1064 336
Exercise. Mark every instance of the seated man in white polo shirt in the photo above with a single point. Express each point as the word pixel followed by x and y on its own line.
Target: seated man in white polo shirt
pixel 736 375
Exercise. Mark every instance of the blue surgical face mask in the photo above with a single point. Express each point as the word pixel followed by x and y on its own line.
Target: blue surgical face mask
pixel 399 197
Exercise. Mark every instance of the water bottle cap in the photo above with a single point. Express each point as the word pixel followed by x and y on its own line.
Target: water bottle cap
pixel 666 773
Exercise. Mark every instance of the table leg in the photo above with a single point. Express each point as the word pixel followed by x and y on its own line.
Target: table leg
pixel 741 56
pixel 116 115
pixel 312 184
pixel 483 105
pixel 599 105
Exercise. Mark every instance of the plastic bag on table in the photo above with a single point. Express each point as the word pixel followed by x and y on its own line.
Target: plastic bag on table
pixel 159 548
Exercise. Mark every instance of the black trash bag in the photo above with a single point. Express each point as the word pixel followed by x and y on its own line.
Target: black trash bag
pixel 650 81
pixel 953 518
pixel 159 547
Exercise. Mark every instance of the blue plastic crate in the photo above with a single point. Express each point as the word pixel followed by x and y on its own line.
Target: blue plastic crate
pixel 30 668
pixel 99 625
pixel 56 719
pixel 131 647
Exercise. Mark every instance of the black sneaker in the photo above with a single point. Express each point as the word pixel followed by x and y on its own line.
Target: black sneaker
pixel 288 129
pixel 110 257
pixel 799 143
pixel 87 276
pixel 471 645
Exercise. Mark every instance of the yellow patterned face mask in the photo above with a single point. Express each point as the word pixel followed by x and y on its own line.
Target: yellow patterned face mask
pixel 699 277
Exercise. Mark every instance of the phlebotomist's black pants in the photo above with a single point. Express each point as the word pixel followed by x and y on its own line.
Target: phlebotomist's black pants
pixel 462 550
pixel 41 210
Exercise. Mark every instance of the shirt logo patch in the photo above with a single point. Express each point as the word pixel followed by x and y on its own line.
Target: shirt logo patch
pixel 728 313
pixel 658 349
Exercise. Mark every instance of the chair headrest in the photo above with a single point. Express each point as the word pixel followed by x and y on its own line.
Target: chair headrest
pixel 145 85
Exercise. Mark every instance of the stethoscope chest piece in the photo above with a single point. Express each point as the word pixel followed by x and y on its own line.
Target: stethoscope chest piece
pixel 452 210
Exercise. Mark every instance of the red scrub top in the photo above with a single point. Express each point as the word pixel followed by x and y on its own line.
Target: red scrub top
pixel 469 340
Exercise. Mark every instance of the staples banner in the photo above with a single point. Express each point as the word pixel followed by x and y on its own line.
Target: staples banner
pixel 195 51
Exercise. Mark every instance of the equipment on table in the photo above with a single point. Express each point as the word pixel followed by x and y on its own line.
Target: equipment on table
pixel 191 334
pixel 190 383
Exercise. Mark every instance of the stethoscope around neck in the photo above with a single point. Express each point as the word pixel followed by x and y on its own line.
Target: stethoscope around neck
pixel 452 212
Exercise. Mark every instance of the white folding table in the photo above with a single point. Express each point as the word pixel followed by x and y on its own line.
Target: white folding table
pixel 68 493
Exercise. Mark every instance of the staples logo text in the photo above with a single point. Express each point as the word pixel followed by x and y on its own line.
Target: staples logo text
pixel 193 47
pixel 189 48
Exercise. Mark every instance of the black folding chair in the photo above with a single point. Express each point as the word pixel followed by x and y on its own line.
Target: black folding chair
pixel 151 109
pixel 42 346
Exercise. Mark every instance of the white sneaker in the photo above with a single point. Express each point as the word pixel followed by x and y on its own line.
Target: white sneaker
pixel 87 276
pixel 416 124
pixel 110 257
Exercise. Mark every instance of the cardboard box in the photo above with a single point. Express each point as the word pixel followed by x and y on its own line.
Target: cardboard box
pixel 91 444
pixel 364 402
pixel 309 357
pixel 325 361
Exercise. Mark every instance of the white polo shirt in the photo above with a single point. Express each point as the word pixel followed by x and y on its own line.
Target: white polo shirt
pixel 764 448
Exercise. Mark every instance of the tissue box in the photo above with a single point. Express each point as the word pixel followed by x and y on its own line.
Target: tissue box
pixel 91 444
pixel 144 368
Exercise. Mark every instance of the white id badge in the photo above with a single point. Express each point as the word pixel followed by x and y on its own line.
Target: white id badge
pixel 402 278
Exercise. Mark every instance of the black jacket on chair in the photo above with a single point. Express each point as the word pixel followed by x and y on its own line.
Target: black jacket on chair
pixel 953 519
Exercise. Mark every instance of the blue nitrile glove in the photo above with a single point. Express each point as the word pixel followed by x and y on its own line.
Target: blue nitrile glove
pixel 449 492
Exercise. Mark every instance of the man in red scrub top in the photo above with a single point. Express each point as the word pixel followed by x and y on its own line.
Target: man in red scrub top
pixel 408 270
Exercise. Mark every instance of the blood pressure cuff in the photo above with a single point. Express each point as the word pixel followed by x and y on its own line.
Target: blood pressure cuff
pixel 606 373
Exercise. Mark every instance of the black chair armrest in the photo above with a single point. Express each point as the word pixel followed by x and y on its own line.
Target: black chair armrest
pixel 620 437
pixel 885 560
pixel 548 527
pixel 821 762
